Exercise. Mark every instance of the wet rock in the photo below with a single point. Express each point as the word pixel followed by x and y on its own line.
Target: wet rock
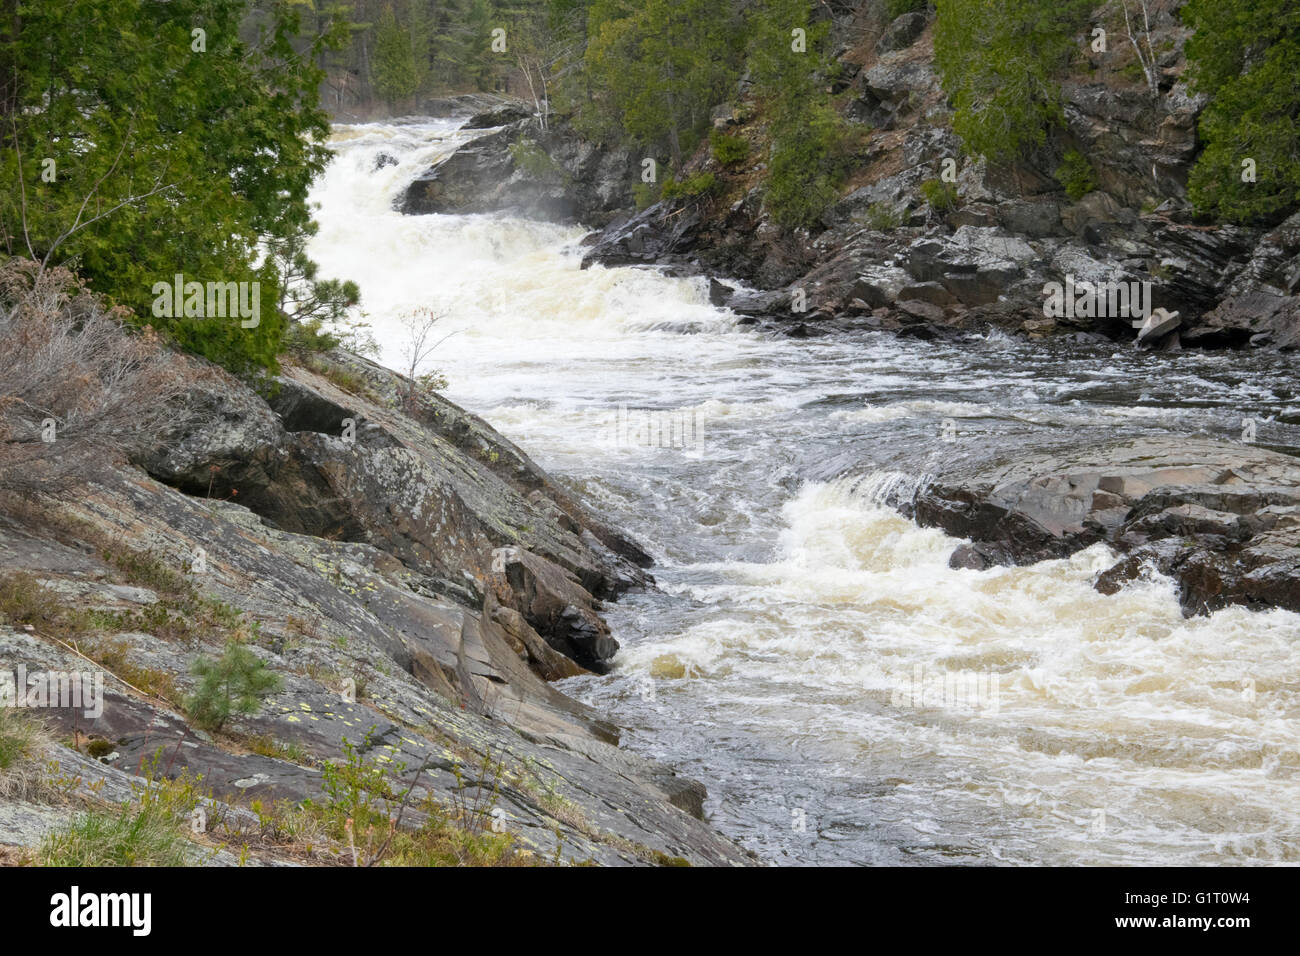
pixel 1261 305
pixel 542 173
pixel 464 104
pixel 547 662
pixel 753 303
pixel 1158 325
pixel 720 293
pixel 932 292
pixel 502 115
pixel 661 233
pixel 918 309
pixel 881 286
pixel 1222 519
pixel 555 605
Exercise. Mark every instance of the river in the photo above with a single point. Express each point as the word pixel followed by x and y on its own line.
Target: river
pixel 795 656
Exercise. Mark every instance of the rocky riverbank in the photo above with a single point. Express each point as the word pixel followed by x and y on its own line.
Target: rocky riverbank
pixel 1217 517
pixel 412 577
pixel 886 257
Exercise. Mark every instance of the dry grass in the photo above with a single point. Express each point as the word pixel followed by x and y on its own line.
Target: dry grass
pixel 23 740
pixel 71 380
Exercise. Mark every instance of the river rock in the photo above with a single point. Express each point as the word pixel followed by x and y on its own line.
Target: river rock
pixel 1262 302
pixel 1222 519
pixel 1158 324
pixel 526 167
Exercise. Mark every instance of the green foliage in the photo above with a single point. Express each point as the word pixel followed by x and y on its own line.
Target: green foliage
pixel 166 159
pixel 366 797
pixel 1245 55
pixel 461 44
pixel 941 196
pixel 896 8
pixel 884 216
pixel 235 683
pixel 117 837
pixel 654 68
pixel 812 148
pixel 999 61
pixel 395 74
pixel 807 166
pixel 536 162
pixel 645 194
pixel 1076 174
pixel 24 601
pixel 692 187
pixel 19 738
pixel 728 150
pixel 150 831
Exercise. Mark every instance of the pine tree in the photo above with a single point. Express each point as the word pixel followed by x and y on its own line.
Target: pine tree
pixel 394 70
pixel 1000 62
pixel 811 145
pixel 1245 54
pixel 657 67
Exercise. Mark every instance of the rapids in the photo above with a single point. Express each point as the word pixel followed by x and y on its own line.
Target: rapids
pixel 844 695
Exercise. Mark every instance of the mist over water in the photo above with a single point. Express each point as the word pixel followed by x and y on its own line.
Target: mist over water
pixel 811 657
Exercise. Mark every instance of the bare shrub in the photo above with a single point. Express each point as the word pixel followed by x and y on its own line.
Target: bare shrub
pixel 77 388
pixel 418 346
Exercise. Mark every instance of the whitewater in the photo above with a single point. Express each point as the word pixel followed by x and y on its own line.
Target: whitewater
pixel 845 696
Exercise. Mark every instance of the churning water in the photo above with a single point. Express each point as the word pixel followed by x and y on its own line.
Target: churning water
pixel 845 696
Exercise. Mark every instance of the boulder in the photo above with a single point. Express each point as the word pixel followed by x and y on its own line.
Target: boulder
pixel 1157 326
pixel 1222 519
pixel 556 606
pixel 503 115
pixel 902 33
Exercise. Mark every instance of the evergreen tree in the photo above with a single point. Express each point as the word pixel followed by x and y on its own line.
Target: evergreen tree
pixel 1246 54
pixel 142 140
pixel 394 70
pixel 1000 62
pixel 657 67
pixel 811 145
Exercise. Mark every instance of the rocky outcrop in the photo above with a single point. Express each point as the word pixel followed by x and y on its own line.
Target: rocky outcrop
pixel 525 167
pixel 661 235
pixel 1222 519
pixel 413 578
pixel 1263 299
pixel 1231 286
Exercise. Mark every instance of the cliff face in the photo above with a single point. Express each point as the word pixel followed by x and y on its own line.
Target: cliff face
pixel 412 576
pixel 884 258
